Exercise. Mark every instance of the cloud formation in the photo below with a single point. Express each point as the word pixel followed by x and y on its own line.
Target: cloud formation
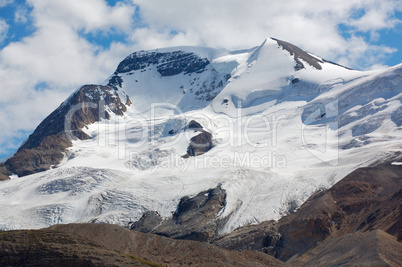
pixel 41 70
pixel 21 15
pixel 3 30
pixel 79 42
pixel 5 2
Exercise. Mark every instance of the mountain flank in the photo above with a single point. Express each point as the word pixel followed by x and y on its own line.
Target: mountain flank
pixel 366 200
pixel 374 248
pixel 46 146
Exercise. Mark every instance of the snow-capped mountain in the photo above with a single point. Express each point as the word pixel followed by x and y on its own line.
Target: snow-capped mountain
pixel 270 125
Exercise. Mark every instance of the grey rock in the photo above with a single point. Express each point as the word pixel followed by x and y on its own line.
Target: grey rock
pixel 169 63
pixel 46 145
pixel 300 54
pixel 254 237
pixel 200 143
pixel 149 220
pixel 4 173
pixel 194 219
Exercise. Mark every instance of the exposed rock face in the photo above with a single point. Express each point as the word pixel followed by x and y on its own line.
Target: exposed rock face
pixel 40 158
pixel 149 220
pixel 254 237
pixel 46 145
pixel 300 54
pixel 194 219
pixel 200 143
pixel 4 173
pixel 365 200
pixel 169 64
pixel 194 126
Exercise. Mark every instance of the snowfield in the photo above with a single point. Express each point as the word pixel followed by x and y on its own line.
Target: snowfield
pixel 279 134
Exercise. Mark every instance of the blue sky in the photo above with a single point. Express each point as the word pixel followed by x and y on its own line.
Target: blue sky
pixel 48 48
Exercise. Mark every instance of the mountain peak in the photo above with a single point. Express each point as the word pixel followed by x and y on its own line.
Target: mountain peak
pixel 46 145
pixel 274 124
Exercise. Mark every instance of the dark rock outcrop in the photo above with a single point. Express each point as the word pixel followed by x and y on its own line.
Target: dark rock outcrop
pixel 194 219
pixel 194 125
pixel 116 81
pixel 45 147
pixel 300 54
pixel 4 173
pixel 149 220
pixel 254 237
pixel 200 143
pixel 169 63
pixel 173 63
pixel 4 177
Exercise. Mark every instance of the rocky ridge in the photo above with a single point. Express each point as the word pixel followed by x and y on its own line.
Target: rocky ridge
pixel 46 146
pixel 194 219
pixel 111 245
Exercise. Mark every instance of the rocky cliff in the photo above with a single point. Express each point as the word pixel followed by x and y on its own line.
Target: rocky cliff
pixel 194 219
pixel 46 146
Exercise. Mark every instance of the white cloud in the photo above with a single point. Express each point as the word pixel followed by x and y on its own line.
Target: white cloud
pixel 3 3
pixel 88 15
pixel 377 15
pixel 358 52
pixel 58 55
pixel 3 30
pixel 23 114
pixel 310 24
pixel 21 15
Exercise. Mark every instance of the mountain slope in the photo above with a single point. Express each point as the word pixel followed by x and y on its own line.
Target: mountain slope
pixel 47 145
pixel 110 245
pixel 164 250
pixel 279 124
pixel 375 248
pixel 366 200
pixel 49 248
